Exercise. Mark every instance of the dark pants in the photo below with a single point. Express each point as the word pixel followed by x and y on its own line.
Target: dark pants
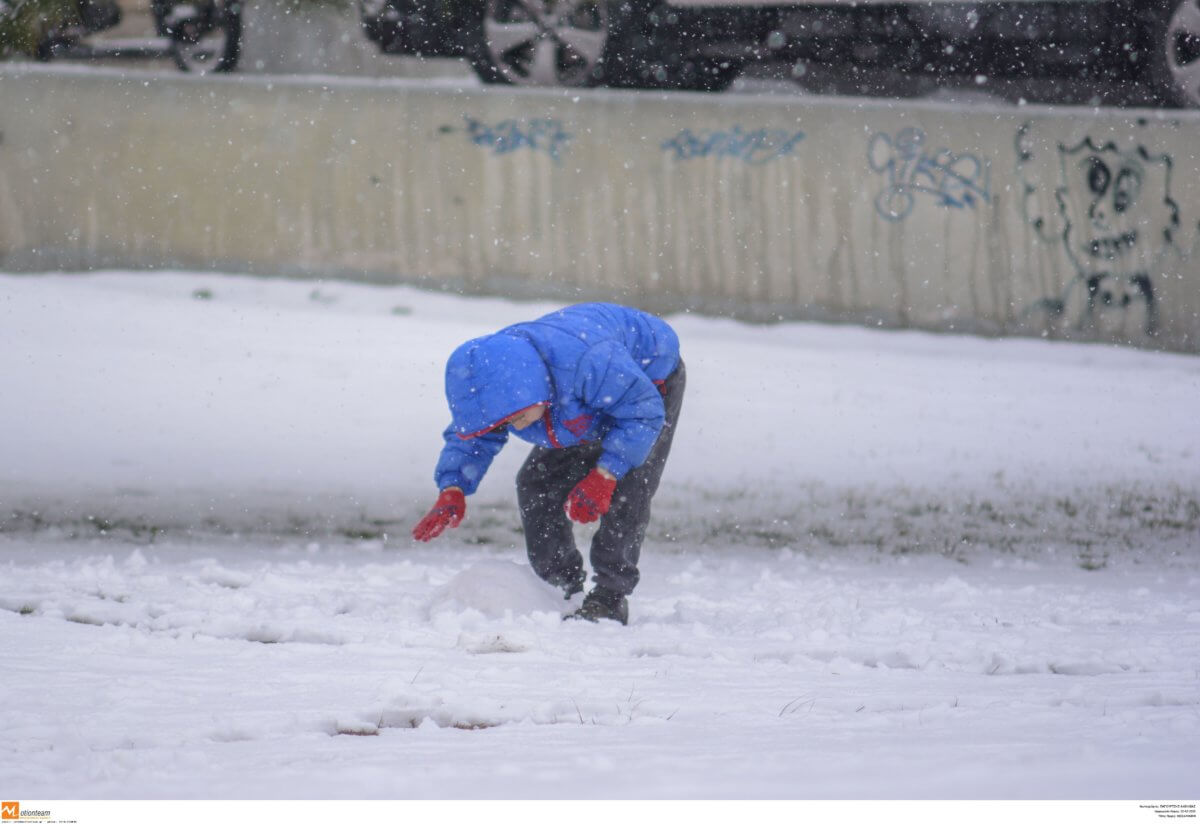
pixel 547 478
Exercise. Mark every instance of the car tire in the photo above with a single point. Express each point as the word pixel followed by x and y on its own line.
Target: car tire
pixel 616 43
pixel 1175 53
pixel 206 36
pixel 700 74
pixel 372 16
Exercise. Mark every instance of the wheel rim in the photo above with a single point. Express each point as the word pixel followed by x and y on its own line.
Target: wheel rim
pixel 206 53
pixel 1183 50
pixel 545 42
pixel 201 41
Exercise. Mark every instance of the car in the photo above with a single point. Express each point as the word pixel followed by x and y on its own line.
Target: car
pixel 200 35
pixel 704 44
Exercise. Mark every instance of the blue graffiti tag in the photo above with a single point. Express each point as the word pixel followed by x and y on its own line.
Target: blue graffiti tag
pixel 545 135
pixel 752 147
pixel 955 181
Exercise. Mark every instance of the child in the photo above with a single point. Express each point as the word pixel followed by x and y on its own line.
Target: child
pixel 597 389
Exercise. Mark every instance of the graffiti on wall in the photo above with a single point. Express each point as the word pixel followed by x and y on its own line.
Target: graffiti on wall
pixel 753 147
pixel 540 135
pixel 1109 207
pixel 950 179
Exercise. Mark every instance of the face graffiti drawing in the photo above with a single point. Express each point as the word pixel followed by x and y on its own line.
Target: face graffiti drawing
pixel 1112 185
pixel 1112 233
pixel 1115 219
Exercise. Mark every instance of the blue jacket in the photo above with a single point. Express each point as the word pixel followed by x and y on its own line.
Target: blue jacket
pixel 594 365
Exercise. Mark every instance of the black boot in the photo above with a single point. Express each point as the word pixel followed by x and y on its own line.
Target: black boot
pixel 602 603
pixel 572 588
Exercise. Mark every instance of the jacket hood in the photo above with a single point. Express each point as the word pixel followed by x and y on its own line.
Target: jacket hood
pixel 491 378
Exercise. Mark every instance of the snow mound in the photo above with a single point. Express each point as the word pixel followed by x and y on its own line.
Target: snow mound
pixel 413 707
pixel 497 589
pixel 494 642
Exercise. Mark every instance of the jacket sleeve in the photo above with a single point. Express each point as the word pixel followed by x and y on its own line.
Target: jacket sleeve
pixel 609 381
pixel 464 463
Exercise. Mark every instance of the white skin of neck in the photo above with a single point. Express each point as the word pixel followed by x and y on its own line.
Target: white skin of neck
pixel 527 417
pixel 534 414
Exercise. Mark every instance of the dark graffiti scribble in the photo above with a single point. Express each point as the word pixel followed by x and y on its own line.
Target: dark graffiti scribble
pixel 1104 297
pixel 953 180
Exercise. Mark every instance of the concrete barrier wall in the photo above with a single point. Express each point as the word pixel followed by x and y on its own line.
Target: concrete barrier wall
pixel 1073 223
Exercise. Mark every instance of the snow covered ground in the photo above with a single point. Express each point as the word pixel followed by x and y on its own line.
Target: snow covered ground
pixel 883 564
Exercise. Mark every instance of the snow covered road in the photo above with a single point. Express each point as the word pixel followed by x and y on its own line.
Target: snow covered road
pixel 883 564
pixel 353 671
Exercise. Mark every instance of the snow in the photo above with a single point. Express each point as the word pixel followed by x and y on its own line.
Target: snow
pixel 883 564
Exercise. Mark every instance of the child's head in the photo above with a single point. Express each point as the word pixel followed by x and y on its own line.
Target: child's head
pixel 494 380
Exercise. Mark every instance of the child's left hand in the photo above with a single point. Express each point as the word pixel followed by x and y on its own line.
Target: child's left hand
pixel 591 497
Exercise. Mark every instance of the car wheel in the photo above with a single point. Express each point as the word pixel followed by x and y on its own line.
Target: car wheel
pixel 703 75
pixel 205 36
pixel 1175 56
pixel 371 15
pixel 544 42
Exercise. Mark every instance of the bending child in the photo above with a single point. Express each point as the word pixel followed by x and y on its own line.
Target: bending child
pixel 597 389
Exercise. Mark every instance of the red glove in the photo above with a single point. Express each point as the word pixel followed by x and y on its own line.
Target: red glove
pixel 591 497
pixel 449 510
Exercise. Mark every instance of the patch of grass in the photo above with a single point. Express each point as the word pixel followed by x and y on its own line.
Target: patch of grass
pixel 138 530
pixel 363 534
pixel 473 725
